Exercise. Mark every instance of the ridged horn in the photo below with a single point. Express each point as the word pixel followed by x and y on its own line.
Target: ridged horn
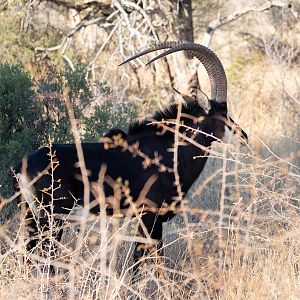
pixel 155 47
pixel 207 57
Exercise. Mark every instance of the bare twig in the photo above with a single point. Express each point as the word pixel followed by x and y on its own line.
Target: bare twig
pixel 91 66
pixel 219 22
pixel 100 4
pixel 87 21
pixel 82 166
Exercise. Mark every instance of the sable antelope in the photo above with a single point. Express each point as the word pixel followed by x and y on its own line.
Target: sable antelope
pixel 143 153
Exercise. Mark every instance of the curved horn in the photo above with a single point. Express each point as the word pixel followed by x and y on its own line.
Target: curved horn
pixel 212 64
pixel 207 57
pixel 159 46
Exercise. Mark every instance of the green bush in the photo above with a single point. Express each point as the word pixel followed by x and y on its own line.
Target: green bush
pixel 110 114
pixel 20 119
pixel 77 84
pixel 56 120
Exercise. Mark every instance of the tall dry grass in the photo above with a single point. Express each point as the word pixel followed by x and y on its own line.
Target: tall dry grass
pixel 235 237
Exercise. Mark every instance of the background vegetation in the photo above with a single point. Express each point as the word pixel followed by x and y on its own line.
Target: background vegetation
pixel 238 235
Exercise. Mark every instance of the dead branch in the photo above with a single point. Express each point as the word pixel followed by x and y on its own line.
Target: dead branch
pixel 91 66
pixel 67 38
pixel 144 14
pixel 122 12
pixel 219 22
pixel 104 5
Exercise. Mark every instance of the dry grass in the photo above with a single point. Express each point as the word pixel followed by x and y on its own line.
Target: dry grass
pixel 237 236
pixel 239 240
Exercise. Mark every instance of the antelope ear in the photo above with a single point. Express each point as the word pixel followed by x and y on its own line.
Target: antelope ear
pixel 185 97
pixel 203 100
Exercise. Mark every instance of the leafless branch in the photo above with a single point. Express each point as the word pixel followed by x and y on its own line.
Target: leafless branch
pixel 69 61
pixel 104 4
pixel 66 39
pixel 123 12
pixel 219 22
pixel 91 66
pixel 146 17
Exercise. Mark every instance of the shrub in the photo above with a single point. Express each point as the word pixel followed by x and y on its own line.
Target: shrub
pixel 20 117
pixel 56 120
pixel 108 115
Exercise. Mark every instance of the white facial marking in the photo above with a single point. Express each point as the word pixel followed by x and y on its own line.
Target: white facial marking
pixel 230 137
pixel 233 138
